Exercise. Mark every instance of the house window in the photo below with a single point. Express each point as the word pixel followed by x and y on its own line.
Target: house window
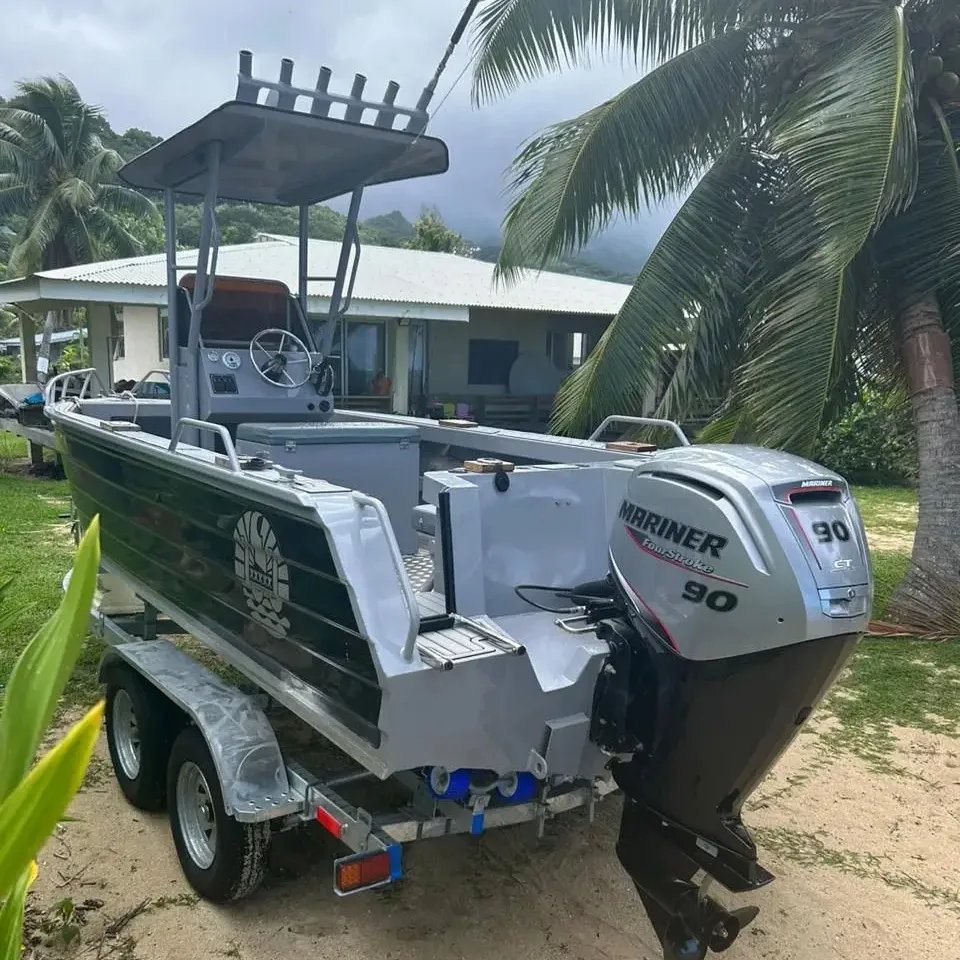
pixel 489 362
pixel 164 325
pixel 366 356
pixel 117 345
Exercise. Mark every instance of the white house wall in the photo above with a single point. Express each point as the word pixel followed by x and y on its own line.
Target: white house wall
pixel 448 348
pixel 141 336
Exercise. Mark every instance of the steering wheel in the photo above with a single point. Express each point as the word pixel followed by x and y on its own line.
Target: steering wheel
pixel 274 364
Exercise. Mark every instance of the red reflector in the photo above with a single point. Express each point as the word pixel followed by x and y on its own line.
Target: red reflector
pixel 328 823
pixel 362 872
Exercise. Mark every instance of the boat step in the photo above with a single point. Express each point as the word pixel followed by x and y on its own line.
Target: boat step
pixel 466 641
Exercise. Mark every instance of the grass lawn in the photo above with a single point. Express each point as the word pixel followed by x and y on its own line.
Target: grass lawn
pixel 889 681
pixel 36 550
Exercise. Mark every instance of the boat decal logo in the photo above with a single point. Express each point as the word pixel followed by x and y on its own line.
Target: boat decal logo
pixel 262 571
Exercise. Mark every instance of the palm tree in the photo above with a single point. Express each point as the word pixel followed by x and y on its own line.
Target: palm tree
pixel 817 248
pixel 57 183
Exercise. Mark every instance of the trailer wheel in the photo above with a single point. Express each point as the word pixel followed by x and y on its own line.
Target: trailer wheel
pixel 222 858
pixel 141 726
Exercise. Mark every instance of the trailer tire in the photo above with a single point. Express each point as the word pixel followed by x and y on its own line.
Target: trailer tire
pixel 222 858
pixel 141 727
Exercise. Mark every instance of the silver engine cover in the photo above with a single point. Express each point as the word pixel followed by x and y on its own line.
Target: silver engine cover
pixel 730 550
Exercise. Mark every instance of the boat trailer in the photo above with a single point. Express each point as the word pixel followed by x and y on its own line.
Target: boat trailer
pixel 261 790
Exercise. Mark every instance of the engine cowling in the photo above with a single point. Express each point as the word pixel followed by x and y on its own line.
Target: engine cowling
pixel 745 583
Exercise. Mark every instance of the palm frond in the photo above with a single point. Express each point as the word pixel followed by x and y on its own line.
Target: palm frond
pixel 518 40
pixel 840 138
pixel 18 153
pixel 109 232
pixel 75 193
pixel 117 199
pixel 98 163
pixel 680 273
pixel 43 226
pixel 920 248
pixel 713 350
pixel 843 136
pixel 14 199
pixel 647 143
pixel 801 344
pixel 57 102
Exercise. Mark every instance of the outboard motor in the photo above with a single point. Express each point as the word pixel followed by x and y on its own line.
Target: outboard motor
pixel 739 586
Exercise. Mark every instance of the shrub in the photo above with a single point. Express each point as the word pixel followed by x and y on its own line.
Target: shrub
pixel 873 442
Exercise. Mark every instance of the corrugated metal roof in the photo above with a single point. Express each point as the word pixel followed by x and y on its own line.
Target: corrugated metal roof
pixel 58 336
pixel 386 274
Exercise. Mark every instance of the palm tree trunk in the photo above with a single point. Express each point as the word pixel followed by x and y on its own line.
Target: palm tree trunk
pixel 929 595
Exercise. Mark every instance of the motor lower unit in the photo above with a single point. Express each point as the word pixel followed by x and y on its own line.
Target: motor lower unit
pixel 739 585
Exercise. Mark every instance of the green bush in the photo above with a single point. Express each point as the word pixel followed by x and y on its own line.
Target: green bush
pixel 873 443
pixel 9 368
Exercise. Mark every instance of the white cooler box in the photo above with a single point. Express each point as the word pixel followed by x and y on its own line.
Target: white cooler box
pixel 379 459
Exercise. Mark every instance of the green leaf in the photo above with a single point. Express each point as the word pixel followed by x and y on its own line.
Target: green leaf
pixel 851 156
pixel 11 915
pixel 649 142
pixel 920 248
pixel 30 813
pixel 42 670
pixel 844 137
pixel 680 274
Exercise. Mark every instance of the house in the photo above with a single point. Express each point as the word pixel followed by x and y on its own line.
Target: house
pixel 421 327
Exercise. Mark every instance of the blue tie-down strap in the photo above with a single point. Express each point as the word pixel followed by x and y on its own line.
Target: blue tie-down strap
pixel 396 861
pixel 476 824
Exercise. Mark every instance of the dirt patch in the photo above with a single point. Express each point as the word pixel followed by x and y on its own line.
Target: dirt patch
pixel 865 861
pixel 891 526
pixel 891 541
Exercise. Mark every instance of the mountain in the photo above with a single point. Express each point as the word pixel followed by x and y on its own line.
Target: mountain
pixel 604 259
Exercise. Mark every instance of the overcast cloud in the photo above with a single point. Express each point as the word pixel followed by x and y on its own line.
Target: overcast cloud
pixel 159 64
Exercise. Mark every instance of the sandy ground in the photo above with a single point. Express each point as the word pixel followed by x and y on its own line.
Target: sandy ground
pixel 867 865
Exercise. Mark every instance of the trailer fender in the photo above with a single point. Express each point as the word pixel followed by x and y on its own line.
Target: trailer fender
pixel 250 768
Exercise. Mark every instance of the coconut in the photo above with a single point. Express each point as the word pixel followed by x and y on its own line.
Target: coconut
pixel 951 59
pixel 947 84
pixel 932 66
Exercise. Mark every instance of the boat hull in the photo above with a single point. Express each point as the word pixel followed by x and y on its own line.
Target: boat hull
pixel 262 577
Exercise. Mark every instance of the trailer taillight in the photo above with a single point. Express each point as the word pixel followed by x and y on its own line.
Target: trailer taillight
pixel 366 870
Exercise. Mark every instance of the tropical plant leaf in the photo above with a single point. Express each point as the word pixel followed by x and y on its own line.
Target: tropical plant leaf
pixel 116 199
pixel 622 369
pixel 75 194
pixel 841 135
pixel 110 232
pixel 517 40
pixel 29 814
pixel 843 165
pixel 920 248
pixel 42 670
pixel 11 915
pixel 647 143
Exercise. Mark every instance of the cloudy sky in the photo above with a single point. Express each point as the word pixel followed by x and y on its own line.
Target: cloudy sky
pixel 159 64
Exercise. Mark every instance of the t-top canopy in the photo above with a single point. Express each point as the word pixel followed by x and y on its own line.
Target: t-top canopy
pixel 284 157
